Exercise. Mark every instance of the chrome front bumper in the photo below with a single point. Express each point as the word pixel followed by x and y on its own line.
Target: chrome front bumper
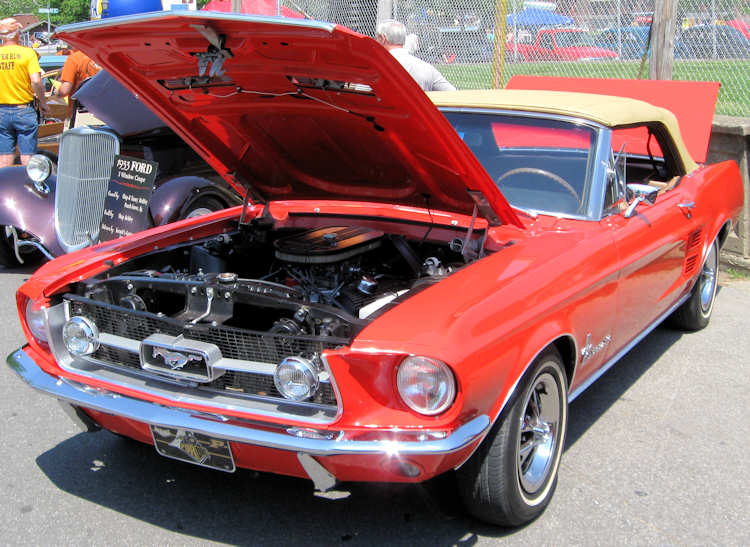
pixel 80 395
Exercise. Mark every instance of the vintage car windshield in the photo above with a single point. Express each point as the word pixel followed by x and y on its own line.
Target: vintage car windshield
pixel 541 164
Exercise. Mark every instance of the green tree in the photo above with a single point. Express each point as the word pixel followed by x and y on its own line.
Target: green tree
pixel 69 11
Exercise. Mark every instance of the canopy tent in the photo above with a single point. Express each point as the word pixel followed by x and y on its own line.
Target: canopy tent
pixel 258 7
pixel 533 17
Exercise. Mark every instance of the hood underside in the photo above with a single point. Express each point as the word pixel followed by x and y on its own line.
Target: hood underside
pixel 293 109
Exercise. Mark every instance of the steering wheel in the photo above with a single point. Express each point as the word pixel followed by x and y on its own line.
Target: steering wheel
pixel 536 171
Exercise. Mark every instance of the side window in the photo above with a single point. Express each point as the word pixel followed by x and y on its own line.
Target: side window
pixel 547 42
pixel 645 155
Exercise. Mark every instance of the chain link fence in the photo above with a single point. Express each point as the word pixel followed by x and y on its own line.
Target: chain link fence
pixel 579 38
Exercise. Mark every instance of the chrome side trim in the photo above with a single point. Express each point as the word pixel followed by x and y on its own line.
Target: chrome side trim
pixel 604 368
pixel 155 414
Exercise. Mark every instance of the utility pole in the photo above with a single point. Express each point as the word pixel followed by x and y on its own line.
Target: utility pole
pixel 498 58
pixel 662 40
pixel 237 6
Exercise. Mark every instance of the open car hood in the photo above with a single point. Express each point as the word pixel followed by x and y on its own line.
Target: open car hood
pixel 293 109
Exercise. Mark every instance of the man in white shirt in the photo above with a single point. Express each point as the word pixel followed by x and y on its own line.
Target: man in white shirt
pixel 392 35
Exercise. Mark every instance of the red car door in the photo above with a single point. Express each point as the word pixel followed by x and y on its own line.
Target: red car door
pixel 652 249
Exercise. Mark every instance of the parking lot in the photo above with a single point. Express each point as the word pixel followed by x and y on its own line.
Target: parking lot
pixel 656 454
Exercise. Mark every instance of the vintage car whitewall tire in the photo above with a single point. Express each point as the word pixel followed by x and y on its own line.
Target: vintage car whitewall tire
pixel 695 313
pixel 510 479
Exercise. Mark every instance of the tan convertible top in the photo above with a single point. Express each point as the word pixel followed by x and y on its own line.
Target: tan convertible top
pixel 604 109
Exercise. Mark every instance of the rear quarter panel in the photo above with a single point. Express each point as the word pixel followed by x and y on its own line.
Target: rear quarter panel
pixel 719 197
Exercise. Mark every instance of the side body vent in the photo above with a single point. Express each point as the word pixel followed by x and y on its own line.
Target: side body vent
pixel 692 251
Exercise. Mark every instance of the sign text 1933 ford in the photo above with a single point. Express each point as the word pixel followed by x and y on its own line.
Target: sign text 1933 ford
pixel 414 285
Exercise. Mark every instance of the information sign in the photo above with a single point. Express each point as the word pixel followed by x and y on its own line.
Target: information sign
pixel 126 206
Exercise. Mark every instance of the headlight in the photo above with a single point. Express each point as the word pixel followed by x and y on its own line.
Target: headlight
pixel 296 378
pixel 39 168
pixel 35 321
pixel 426 385
pixel 81 336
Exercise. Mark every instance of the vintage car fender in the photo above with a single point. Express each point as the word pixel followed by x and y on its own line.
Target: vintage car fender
pixel 509 326
pixel 177 197
pixel 28 208
pixel 31 209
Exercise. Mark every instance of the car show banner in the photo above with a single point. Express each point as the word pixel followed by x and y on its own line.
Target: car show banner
pixel 126 205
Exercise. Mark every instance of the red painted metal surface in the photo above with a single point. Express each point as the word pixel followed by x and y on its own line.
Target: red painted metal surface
pixel 389 144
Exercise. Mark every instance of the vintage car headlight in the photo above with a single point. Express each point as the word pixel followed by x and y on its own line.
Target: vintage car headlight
pixel 39 168
pixel 81 336
pixel 426 385
pixel 35 320
pixel 296 378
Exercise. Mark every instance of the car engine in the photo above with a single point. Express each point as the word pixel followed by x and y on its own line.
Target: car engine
pixel 326 282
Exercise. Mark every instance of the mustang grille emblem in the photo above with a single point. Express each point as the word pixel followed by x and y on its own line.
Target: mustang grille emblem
pixel 174 359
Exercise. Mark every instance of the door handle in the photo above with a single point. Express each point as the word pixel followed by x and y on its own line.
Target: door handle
pixel 685 208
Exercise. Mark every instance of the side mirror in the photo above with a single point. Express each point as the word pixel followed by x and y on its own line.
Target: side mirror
pixel 639 193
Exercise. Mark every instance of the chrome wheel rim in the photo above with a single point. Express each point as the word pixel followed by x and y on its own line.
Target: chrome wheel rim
pixel 708 280
pixel 539 433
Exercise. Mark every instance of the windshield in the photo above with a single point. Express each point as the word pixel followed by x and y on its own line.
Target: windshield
pixel 574 39
pixel 540 164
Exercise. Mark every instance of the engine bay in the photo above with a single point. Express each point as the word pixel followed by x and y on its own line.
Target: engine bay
pixel 324 282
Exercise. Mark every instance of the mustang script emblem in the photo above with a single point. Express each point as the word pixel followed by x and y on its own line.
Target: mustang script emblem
pixel 174 359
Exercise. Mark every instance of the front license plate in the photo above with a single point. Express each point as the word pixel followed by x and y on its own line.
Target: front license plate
pixel 189 446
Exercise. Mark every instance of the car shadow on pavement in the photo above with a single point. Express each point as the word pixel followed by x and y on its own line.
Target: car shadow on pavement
pixel 259 508
pixel 246 507
pixel 607 390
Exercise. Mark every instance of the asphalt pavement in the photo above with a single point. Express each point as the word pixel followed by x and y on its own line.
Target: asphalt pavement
pixel 656 454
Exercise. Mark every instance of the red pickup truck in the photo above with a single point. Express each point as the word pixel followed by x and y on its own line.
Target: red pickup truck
pixel 560 44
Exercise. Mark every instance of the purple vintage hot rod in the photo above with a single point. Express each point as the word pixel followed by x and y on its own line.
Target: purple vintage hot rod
pixel 55 204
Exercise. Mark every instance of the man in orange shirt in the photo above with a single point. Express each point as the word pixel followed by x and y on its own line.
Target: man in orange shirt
pixel 77 68
pixel 20 80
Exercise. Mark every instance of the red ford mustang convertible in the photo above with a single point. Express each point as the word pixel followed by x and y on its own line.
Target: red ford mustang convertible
pixel 413 285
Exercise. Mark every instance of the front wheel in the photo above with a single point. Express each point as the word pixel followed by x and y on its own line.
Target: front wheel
pixel 511 477
pixel 695 313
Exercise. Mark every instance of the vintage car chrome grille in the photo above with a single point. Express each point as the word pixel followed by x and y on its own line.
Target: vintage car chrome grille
pixel 246 347
pixel 83 173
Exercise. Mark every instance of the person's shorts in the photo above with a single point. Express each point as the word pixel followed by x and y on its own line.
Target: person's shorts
pixel 18 125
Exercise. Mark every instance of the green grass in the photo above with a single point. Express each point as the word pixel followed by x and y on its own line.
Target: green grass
pixel 734 273
pixel 734 94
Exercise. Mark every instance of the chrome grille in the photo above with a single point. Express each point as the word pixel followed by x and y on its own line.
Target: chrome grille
pixel 83 172
pixel 243 345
